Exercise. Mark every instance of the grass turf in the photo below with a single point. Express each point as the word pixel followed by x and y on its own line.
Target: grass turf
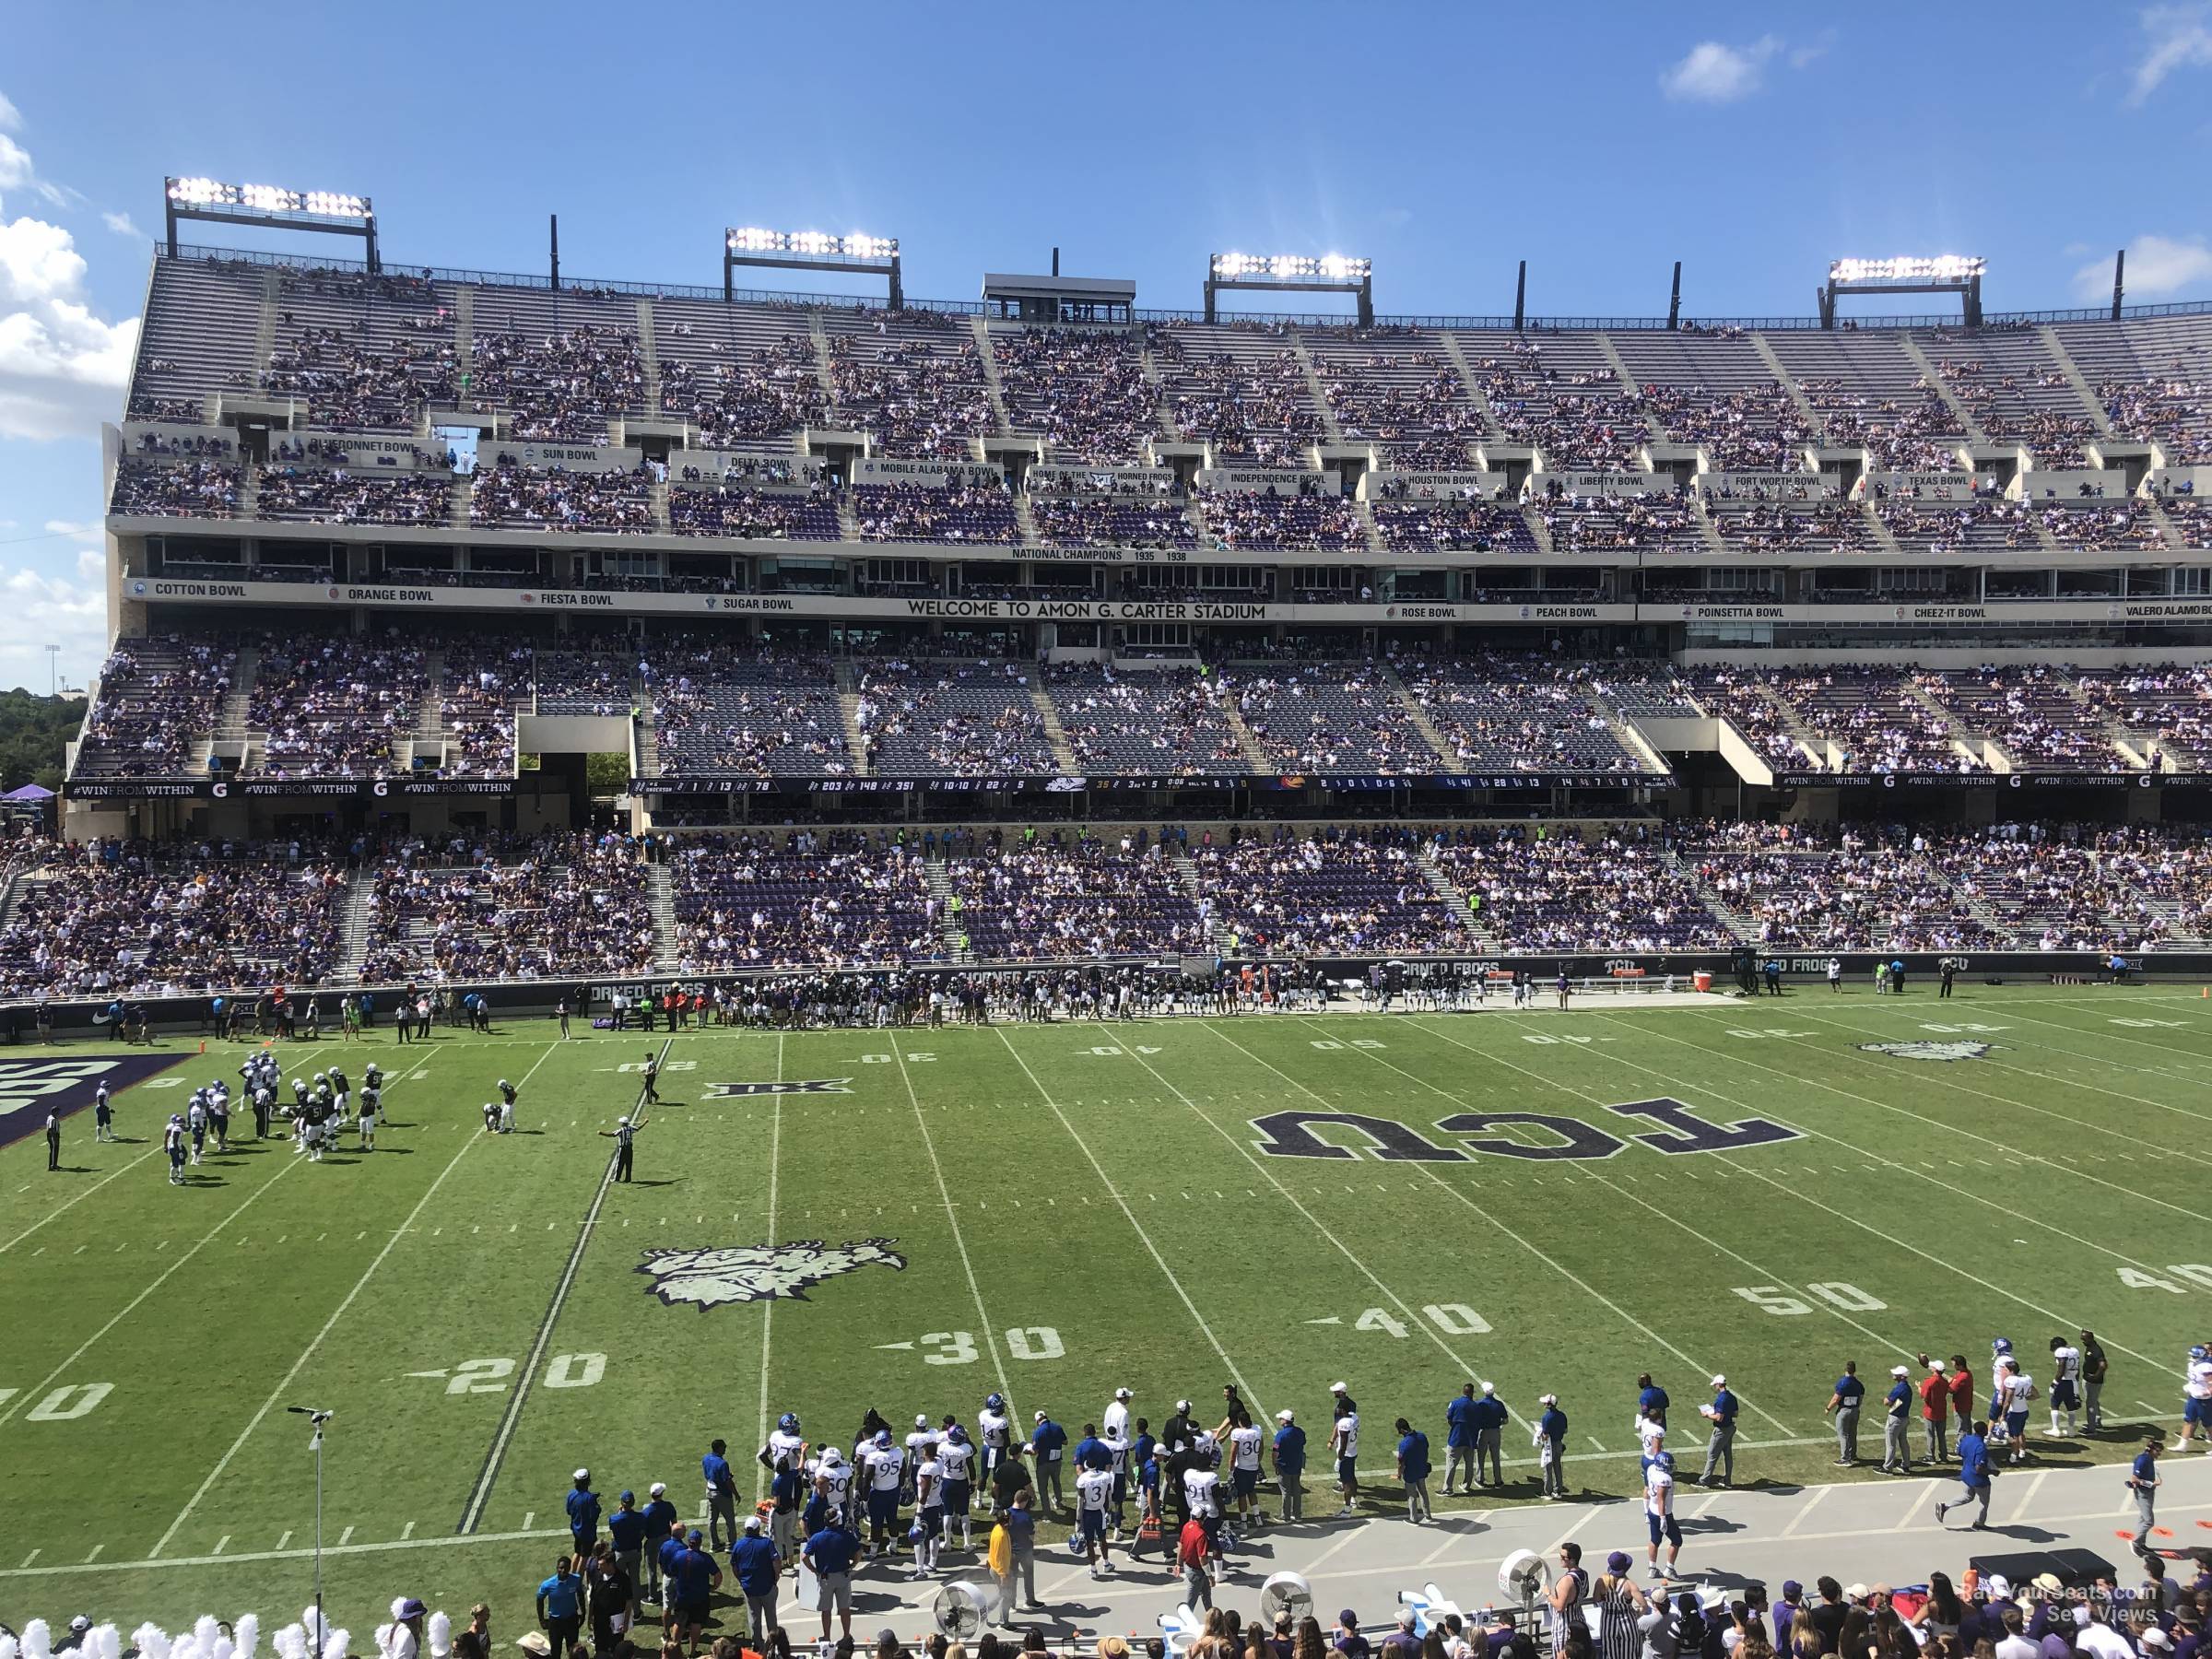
pixel 1079 1206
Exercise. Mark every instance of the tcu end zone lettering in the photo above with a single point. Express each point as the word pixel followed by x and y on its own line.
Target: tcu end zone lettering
pixel 30 1088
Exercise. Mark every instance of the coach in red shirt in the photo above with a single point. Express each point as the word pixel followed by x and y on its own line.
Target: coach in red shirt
pixel 1935 1412
pixel 1191 1549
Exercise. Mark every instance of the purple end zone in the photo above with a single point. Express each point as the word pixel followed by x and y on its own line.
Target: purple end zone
pixel 30 1088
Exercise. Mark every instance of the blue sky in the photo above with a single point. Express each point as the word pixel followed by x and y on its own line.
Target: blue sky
pixel 1601 143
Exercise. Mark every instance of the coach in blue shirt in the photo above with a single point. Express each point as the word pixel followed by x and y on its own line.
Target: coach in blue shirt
pixel 1459 1438
pixel 722 1493
pixel 1090 1451
pixel 1651 1401
pixel 755 1564
pixel 1290 1465
pixel 1413 1470
pixel 583 1514
pixel 1490 1436
pixel 1719 1447
pixel 1551 1446
pixel 1844 1402
pixel 830 1553
pixel 1973 1474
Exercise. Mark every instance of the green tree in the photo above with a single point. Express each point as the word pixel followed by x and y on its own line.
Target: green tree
pixel 34 736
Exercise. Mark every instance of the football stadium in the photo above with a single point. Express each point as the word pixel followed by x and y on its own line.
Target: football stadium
pixel 1101 970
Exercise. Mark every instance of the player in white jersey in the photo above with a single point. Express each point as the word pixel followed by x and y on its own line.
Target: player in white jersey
pixel 1117 1451
pixel 833 1482
pixel 993 1427
pixel 2197 1397
pixel 1094 1492
pixel 929 1514
pixel 196 1119
pixel 920 1444
pixel 2066 1385
pixel 783 1457
pixel 2015 1390
pixel 1244 1444
pixel 172 1142
pixel 956 1463
pixel 370 1105
pixel 886 1472
pixel 1202 1491
pixel 1659 1513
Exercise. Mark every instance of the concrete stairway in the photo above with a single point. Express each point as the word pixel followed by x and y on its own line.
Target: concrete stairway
pixel 354 929
pixel 264 334
pixel 1315 390
pixel 823 376
pixel 2092 405
pixel 949 926
pixel 1733 919
pixel 982 329
pixel 1064 753
pixel 1186 872
pixel 1941 387
pixel 1441 885
pixel 1419 720
pixel 1476 395
pixel 660 894
pixel 1789 383
pixel 649 352
pixel 1245 740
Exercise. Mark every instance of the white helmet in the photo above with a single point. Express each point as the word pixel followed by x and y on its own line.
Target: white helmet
pixel 622 1123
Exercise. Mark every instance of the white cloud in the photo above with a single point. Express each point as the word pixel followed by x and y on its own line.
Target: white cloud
pixel 122 225
pixel 1714 72
pixel 76 529
pixel 61 368
pixel 2180 38
pixel 11 118
pixel 38 609
pixel 1812 50
pixel 2155 265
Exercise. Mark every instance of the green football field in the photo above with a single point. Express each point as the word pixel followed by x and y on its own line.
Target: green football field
pixel 1166 1205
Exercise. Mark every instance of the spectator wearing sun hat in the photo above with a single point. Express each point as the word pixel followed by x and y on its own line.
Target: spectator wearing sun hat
pixel 1897 1450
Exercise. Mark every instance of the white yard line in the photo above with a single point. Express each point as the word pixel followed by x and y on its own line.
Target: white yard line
pixel 1566 1273
pixel 1710 1242
pixel 307 1353
pixel 2071 1171
pixel 1811 1503
pixel 767 1303
pixel 1244 1389
pixel 289 1165
pixel 1799 1194
pixel 1584 1516
pixel 123 1170
pixel 1312 1219
pixel 959 1242
pixel 2073 1121
pixel 514 1414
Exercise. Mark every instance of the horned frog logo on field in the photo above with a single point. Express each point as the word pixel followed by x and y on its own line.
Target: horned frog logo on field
pixel 1927 1051
pixel 749 1273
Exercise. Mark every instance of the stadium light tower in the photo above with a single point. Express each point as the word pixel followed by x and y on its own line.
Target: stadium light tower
pixel 331 212
pixel 810 250
pixel 1957 273
pixel 1294 272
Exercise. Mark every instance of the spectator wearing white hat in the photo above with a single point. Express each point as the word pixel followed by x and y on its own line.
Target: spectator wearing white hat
pixel 1720 1446
pixel 1290 1463
pixel 1897 1416
pixel 1549 1438
pixel 660 1519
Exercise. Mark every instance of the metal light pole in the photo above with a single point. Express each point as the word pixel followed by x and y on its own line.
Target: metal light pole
pixel 318 1418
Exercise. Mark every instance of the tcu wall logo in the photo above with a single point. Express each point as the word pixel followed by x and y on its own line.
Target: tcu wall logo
pixel 748 1273
pixel 1927 1051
